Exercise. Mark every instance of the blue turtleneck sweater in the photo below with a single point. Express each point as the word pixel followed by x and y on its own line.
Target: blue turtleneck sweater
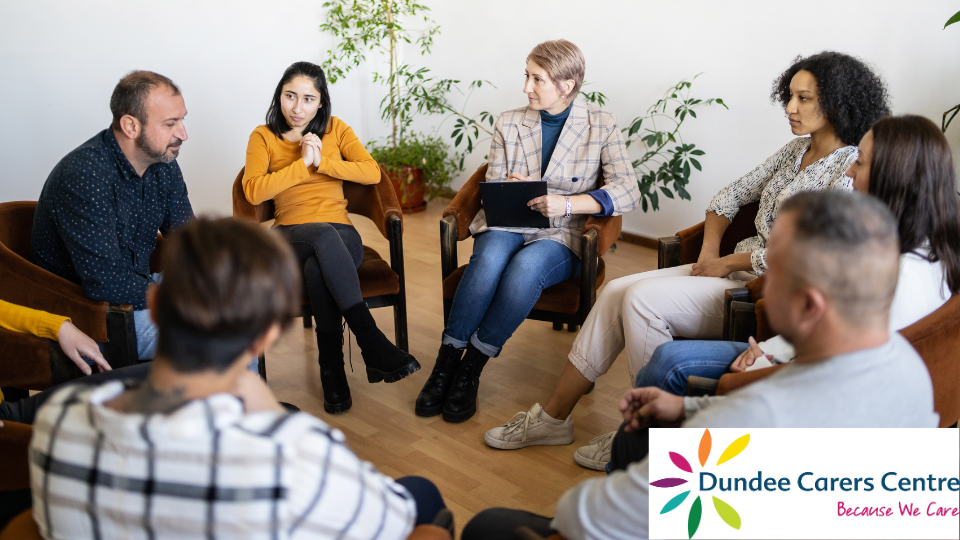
pixel 550 127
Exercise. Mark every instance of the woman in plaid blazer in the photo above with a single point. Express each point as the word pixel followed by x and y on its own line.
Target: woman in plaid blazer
pixel 564 142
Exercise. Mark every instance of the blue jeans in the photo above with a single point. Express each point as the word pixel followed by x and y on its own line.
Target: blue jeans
pixel 673 362
pixel 500 286
pixel 427 496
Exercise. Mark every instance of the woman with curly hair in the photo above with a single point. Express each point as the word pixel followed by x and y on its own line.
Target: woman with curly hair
pixel 830 100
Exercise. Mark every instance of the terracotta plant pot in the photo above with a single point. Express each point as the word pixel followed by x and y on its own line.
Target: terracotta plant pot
pixel 408 183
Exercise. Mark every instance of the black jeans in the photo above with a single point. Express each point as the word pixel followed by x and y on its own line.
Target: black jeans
pixel 628 448
pixel 502 523
pixel 25 410
pixel 428 498
pixel 330 254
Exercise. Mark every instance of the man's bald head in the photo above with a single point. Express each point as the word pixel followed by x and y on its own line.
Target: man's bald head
pixel 844 245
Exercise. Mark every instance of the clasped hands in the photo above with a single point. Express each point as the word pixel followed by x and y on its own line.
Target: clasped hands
pixel 310 147
pixel 711 264
pixel 550 206
pixel 651 407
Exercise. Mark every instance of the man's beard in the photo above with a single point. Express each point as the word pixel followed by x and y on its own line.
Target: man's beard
pixel 159 156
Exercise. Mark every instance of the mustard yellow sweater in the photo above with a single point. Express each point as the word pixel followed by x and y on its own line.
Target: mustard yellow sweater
pixel 301 194
pixel 31 321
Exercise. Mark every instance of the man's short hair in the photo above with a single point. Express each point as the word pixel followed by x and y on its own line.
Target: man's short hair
pixel 225 283
pixel 846 245
pixel 130 95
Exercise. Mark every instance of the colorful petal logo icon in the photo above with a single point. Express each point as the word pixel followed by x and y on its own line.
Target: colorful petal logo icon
pixel 724 510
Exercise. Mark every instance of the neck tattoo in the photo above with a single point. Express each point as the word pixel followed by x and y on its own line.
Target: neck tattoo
pixel 148 399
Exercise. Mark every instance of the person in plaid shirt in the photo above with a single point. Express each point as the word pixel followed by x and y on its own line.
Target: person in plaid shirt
pixel 201 448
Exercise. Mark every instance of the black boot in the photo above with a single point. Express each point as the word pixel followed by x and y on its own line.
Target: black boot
pixel 384 360
pixel 336 391
pixel 461 403
pixel 434 393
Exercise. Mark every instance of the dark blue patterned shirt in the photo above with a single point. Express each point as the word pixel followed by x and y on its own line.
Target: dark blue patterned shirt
pixel 97 220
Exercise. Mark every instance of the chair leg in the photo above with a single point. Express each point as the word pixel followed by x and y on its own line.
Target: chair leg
pixel 262 366
pixel 557 325
pixel 571 328
pixel 307 315
pixel 400 326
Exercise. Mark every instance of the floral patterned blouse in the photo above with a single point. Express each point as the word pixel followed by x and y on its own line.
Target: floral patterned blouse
pixel 773 182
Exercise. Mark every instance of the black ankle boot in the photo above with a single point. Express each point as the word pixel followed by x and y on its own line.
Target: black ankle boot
pixel 385 361
pixel 461 401
pixel 336 391
pixel 434 393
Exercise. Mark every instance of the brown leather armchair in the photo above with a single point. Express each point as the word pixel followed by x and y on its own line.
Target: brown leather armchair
pixel 567 302
pixel 936 338
pixel 381 284
pixel 31 363
pixel 684 248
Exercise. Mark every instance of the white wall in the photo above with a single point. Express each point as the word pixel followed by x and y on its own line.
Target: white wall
pixel 60 59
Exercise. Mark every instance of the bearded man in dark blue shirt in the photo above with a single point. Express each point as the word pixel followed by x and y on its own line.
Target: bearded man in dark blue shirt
pixel 101 208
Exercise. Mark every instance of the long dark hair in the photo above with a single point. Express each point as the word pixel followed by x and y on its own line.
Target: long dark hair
pixel 912 173
pixel 318 126
pixel 851 95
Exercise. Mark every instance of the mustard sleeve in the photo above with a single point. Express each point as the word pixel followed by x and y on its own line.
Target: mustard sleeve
pixel 30 321
pixel 357 165
pixel 259 184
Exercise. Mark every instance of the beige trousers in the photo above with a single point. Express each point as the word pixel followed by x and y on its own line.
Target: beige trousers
pixel 640 312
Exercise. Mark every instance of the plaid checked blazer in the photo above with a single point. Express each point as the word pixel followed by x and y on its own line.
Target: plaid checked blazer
pixel 590 139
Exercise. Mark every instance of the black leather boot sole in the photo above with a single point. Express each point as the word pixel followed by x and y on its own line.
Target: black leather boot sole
pixel 460 416
pixel 337 408
pixel 374 375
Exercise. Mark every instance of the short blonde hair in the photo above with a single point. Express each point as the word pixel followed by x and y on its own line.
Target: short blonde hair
pixel 562 60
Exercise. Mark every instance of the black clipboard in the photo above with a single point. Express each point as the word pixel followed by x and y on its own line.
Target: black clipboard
pixel 505 204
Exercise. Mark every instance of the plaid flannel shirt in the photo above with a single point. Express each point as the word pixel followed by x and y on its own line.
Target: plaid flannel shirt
pixel 206 470
pixel 590 139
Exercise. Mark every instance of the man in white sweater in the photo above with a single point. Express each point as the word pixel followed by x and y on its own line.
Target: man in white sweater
pixel 832 270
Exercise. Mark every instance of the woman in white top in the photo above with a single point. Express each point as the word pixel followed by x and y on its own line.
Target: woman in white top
pixel 833 98
pixel 906 163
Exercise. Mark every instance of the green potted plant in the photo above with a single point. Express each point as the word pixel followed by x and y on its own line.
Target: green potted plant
pixel 951 113
pixel 416 163
pixel 662 169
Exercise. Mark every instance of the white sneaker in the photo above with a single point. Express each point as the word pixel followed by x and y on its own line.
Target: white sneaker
pixel 596 455
pixel 530 428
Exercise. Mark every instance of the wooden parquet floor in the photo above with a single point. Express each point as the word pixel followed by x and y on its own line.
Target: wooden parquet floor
pixel 382 428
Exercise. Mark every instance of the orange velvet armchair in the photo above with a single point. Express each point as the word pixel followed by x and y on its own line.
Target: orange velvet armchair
pixel 32 363
pixel 381 284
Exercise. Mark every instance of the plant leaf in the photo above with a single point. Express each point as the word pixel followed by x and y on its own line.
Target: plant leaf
pixel 693 520
pixel 954 19
pixel 706 444
pixel 727 513
pixel 696 163
pixel 734 449
pixel 674 503
pixel 666 192
pixel 681 462
pixel 698 152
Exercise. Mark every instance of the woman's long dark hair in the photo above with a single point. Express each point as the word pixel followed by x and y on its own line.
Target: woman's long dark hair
pixel 318 126
pixel 912 173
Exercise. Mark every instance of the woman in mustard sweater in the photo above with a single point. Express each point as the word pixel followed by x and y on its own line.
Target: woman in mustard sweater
pixel 300 159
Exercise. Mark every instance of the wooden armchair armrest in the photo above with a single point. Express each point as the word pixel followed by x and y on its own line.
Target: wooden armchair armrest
pixel 33 363
pixel 607 229
pixel 448 246
pixel 734 381
pixel 668 252
pixel 701 386
pixel 464 207
pixel 740 295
